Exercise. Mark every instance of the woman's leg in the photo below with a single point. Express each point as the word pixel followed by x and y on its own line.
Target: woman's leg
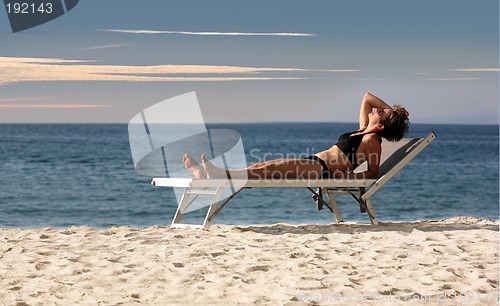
pixel 279 169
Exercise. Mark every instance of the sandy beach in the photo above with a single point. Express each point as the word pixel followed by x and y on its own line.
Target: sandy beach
pixel 435 262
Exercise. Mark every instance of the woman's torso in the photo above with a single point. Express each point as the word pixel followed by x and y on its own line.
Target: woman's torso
pixel 347 153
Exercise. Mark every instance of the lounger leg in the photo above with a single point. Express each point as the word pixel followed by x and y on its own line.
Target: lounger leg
pixel 213 207
pixel 371 212
pixel 180 209
pixel 335 208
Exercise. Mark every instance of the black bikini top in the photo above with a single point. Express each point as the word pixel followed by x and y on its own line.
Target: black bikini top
pixel 349 146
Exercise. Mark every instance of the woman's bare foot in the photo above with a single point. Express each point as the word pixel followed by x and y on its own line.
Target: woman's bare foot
pixel 193 167
pixel 212 170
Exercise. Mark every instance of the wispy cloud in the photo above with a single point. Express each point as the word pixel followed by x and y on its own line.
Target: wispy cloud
pixel 462 78
pixel 16 70
pixel 50 106
pixel 454 79
pixel 25 99
pixel 291 34
pixel 474 70
pixel 104 47
pixel 28 103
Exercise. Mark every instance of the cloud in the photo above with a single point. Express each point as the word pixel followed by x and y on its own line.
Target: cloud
pixel 50 106
pixel 104 47
pixel 211 33
pixel 479 70
pixel 21 103
pixel 10 100
pixel 475 70
pixel 16 70
pixel 455 79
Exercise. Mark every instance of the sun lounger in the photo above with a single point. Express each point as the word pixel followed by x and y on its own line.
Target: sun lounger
pixel 394 157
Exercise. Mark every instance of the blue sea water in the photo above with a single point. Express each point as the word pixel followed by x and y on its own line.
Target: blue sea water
pixel 61 175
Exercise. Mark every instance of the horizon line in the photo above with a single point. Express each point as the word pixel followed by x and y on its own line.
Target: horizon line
pixel 243 123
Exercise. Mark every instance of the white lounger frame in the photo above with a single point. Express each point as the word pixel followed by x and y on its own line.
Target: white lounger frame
pixel 394 157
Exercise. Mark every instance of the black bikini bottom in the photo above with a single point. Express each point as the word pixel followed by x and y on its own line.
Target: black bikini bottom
pixel 326 174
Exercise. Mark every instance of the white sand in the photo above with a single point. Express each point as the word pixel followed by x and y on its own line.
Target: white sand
pixel 448 261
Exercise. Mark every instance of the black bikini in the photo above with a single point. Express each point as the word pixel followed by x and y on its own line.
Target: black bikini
pixel 326 174
pixel 349 146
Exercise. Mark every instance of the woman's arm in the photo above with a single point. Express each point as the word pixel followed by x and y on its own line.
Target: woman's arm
pixel 367 105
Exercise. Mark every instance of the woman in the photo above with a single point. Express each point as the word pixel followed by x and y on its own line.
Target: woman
pixel 377 120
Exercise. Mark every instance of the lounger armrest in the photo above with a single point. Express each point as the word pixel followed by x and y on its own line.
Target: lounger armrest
pixel 171 182
pixel 240 183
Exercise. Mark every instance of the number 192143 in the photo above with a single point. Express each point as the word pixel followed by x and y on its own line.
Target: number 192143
pixel 28 8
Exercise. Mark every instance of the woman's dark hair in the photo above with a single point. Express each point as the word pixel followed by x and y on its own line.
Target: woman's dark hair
pixel 397 125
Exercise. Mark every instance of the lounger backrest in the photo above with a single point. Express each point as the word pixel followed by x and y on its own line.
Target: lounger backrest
pixel 403 152
pixel 398 153
pixel 394 152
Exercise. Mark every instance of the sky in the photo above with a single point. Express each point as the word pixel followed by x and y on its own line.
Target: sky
pixel 255 61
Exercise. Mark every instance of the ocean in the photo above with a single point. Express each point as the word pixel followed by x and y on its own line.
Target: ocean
pixel 60 175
